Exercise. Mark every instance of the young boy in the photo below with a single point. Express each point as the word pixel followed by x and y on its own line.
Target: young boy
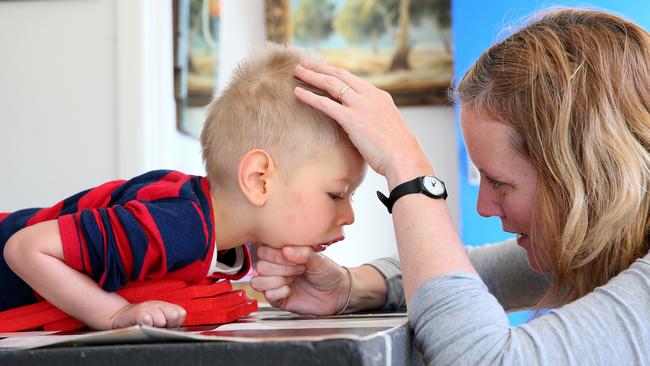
pixel 278 173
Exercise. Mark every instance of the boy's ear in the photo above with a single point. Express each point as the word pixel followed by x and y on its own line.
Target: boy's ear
pixel 255 171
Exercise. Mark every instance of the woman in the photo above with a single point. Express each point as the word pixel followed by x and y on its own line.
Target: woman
pixel 557 119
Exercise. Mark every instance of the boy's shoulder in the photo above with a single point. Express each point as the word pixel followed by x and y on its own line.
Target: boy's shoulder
pixel 162 184
pixel 162 175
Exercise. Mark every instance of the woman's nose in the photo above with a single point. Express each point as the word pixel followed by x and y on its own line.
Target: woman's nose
pixel 488 203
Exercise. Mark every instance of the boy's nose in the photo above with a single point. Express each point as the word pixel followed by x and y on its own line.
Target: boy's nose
pixel 347 215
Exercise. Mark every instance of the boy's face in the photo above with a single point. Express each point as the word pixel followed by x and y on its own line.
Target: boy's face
pixel 310 205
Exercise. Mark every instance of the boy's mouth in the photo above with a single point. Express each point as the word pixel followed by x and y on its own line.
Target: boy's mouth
pixel 323 246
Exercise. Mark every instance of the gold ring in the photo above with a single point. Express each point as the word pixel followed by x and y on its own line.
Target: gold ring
pixel 343 90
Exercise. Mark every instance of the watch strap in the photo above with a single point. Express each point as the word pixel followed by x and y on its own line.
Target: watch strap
pixel 413 186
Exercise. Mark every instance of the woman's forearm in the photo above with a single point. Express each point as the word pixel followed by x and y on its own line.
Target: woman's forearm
pixel 427 241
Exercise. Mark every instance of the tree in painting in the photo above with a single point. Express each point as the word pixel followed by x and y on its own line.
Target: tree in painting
pixel 313 21
pixel 362 20
pixel 402 46
pixel 366 20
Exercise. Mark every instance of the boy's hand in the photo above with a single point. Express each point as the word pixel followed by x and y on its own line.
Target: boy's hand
pixel 158 314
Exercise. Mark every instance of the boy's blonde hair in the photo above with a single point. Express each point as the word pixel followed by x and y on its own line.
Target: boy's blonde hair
pixel 258 110
pixel 575 87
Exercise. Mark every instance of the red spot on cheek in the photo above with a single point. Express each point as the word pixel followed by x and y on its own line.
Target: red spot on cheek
pixel 297 197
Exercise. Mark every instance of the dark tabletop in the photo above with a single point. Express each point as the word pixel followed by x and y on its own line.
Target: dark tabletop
pixel 392 347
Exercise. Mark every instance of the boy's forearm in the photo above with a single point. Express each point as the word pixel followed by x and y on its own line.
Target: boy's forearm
pixel 73 292
pixel 36 255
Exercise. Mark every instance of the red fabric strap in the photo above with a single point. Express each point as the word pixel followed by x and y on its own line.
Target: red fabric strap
pixel 209 302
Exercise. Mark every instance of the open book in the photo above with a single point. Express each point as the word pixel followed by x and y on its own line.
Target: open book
pixel 266 325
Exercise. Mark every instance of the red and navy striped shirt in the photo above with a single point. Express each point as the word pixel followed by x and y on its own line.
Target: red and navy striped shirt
pixel 159 224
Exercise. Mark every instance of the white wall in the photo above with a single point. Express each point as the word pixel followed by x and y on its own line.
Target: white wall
pixel 57 99
pixel 86 96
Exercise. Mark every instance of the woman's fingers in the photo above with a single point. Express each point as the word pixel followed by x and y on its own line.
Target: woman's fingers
pixel 325 105
pixel 334 86
pixel 286 256
pixel 278 295
pixel 271 255
pixel 265 283
pixel 369 117
pixel 357 83
pixel 265 268
pixel 298 255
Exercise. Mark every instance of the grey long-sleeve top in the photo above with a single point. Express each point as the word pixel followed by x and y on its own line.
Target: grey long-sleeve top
pixel 459 318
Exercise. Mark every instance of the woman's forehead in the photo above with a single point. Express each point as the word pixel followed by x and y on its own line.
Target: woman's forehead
pixel 482 130
pixel 490 143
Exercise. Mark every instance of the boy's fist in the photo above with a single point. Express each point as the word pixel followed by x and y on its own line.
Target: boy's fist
pixel 158 314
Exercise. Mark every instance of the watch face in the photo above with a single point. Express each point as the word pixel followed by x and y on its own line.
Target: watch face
pixel 433 185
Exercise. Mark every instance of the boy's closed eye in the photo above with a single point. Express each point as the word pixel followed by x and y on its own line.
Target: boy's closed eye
pixel 336 196
pixel 341 196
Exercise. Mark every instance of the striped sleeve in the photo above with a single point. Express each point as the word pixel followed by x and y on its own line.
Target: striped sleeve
pixel 138 240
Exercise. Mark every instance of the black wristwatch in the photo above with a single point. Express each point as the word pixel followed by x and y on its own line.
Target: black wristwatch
pixel 429 185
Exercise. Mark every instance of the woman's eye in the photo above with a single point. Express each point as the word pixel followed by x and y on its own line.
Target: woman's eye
pixel 494 183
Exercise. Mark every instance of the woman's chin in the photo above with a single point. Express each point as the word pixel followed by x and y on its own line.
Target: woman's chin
pixel 535 260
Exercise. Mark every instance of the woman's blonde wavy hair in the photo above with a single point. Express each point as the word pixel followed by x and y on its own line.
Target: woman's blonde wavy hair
pixel 575 86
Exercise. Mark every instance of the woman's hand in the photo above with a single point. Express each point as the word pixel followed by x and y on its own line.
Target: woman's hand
pixel 299 280
pixel 370 118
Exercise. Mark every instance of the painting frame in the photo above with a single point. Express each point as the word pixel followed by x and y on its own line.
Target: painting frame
pixel 279 29
pixel 195 68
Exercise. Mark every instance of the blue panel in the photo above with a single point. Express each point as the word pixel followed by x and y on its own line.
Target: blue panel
pixel 475 26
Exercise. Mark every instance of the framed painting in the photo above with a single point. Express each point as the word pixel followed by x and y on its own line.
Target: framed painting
pixel 401 46
pixel 196 37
